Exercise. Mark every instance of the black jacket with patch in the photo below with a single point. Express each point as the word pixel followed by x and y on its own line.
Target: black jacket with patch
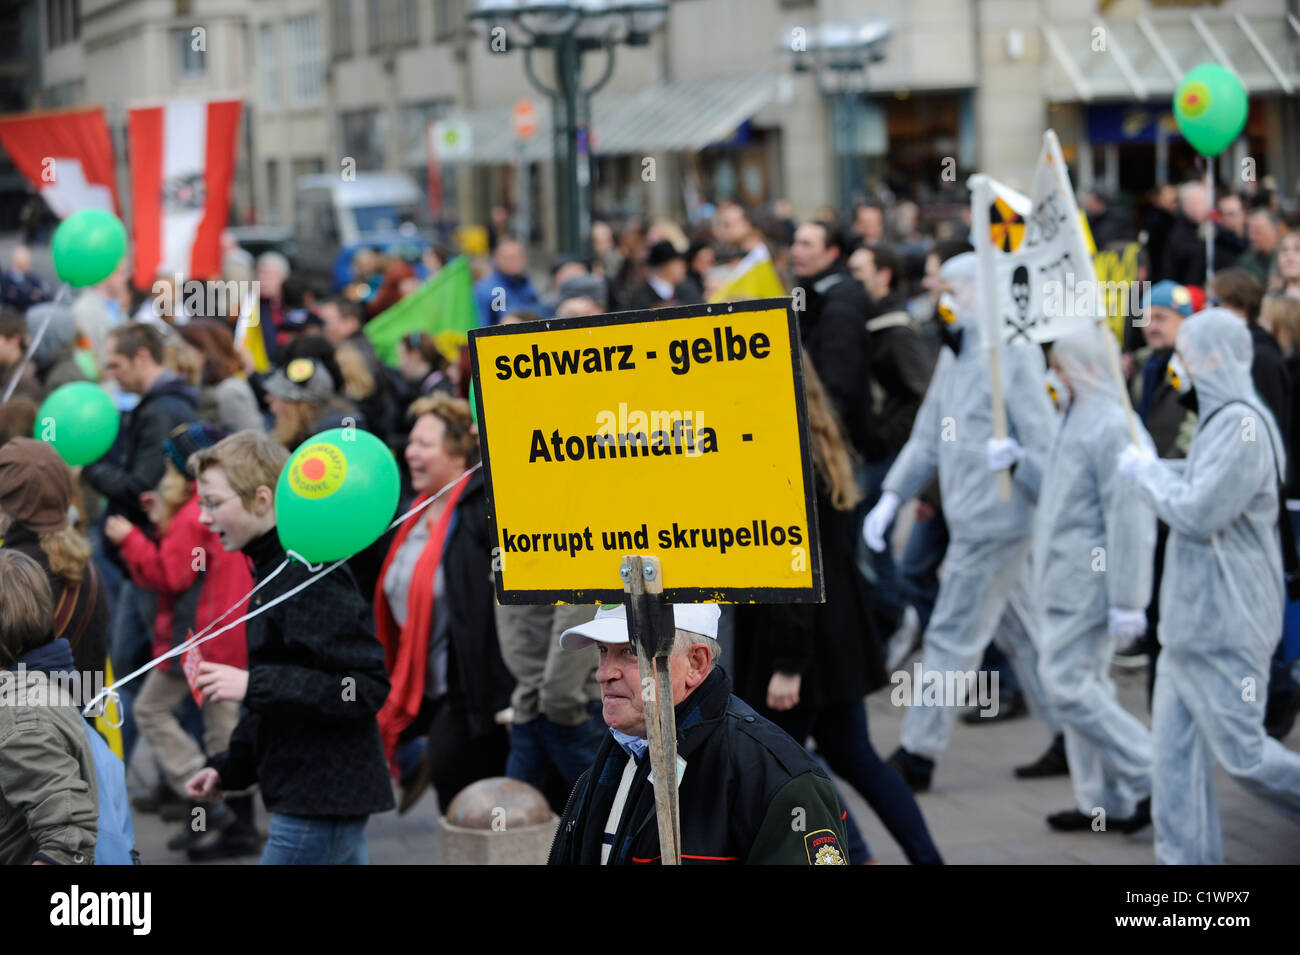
pixel 750 795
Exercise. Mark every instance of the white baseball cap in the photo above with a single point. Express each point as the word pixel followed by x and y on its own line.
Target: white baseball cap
pixel 610 625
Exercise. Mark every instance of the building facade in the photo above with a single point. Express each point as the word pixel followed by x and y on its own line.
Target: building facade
pixel 711 108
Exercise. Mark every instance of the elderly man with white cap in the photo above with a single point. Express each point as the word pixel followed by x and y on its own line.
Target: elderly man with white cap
pixel 747 792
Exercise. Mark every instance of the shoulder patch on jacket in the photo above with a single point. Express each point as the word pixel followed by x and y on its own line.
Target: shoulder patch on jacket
pixel 823 848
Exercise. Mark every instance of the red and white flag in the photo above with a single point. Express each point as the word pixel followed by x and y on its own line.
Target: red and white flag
pixel 67 155
pixel 182 168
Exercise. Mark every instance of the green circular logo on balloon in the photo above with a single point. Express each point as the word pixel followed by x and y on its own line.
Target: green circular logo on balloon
pixel 336 495
pixel 88 246
pixel 317 470
pixel 1210 106
pixel 1195 100
pixel 80 420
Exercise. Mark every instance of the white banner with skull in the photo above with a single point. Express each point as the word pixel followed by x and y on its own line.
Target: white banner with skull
pixel 1034 254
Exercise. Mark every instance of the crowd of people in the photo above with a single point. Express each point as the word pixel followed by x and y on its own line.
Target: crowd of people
pixel 998 568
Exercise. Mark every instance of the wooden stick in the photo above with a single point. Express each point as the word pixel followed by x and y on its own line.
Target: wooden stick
pixel 981 196
pixel 646 616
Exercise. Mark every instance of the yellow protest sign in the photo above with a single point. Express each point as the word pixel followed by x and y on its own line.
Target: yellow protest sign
pixel 678 433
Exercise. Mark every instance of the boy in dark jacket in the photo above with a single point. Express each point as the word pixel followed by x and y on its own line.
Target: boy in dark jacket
pixel 314 683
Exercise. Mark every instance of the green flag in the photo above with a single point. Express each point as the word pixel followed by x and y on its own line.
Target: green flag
pixel 444 305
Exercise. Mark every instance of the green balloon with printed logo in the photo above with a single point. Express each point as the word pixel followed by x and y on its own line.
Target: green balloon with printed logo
pixel 80 420
pixel 1210 106
pixel 336 495
pixel 88 246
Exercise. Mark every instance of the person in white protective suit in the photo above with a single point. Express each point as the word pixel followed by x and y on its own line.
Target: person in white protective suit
pixel 1221 598
pixel 986 570
pixel 1094 546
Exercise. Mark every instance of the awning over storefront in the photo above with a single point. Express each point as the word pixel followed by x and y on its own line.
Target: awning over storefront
pixel 1146 58
pixel 685 115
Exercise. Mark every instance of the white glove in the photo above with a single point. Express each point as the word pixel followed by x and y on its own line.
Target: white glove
pixel 1132 460
pixel 1002 454
pixel 878 520
pixel 1127 624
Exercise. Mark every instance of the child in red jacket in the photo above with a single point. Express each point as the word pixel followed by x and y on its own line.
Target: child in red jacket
pixel 197 581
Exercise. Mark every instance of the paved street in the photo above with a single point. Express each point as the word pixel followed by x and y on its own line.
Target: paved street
pixel 978 811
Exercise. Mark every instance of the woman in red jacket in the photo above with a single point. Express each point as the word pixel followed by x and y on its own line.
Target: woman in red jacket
pixel 197 582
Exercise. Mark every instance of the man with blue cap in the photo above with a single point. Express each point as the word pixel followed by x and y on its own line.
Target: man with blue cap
pixel 747 792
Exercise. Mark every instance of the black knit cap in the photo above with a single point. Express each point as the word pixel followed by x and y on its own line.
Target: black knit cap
pixel 186 439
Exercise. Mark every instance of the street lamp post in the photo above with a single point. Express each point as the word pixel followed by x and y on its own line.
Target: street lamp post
pixel 570 28
pixel 838 55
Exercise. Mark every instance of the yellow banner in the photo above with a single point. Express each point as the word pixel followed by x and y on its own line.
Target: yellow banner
pixel 678 433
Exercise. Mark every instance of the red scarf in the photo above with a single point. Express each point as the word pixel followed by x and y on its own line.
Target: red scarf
pixel 406 648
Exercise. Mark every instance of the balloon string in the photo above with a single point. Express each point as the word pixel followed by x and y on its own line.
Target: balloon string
pixel 110 692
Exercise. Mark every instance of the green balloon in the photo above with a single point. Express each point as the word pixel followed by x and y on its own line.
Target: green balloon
pixel 1210 106
pixel 80 420
pixel 88 246
pixel 336 495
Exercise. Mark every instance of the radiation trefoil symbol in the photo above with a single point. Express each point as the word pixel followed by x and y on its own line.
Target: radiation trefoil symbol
pixel 1006 226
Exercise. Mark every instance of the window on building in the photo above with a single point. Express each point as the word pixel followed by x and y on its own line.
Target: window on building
pixel 376 38
pixel 340 29
pixel 271 214
pixel 448 19
pixel 190 52
pixel 407 24
pixel 415 119
pixel 363 137
pixel 305 56
pixel 62 22
pixel 268 59
pixel 391 23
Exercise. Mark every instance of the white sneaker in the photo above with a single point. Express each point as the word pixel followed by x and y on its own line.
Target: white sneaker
pixel 904 641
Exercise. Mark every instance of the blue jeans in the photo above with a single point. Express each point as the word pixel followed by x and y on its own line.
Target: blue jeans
pixel 925 550
pixel 840 730
pixel 540 750
pixel 302 840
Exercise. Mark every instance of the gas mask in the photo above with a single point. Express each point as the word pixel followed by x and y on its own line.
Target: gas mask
pixel 947 308
pixel 1057 390
pixel 1178 377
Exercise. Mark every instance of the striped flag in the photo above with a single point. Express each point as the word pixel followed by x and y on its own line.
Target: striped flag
pixel 65 154
pixel 248 332
pixel 754 276
pixel 182 167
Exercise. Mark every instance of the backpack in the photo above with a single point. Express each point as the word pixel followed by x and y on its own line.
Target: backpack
pixel 115 843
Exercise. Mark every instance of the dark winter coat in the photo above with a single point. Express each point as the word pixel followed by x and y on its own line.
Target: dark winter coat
pixel 474 660
pixel 1183 257
pixel 833 646
pixel 316 679
pixel 136 463
pixel 833 330
pixel 746 789
pixel 902 363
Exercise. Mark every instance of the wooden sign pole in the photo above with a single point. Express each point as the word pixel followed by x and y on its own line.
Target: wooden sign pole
pixel 651 631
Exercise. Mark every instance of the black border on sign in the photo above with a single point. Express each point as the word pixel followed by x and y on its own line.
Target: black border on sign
pixel 814 594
